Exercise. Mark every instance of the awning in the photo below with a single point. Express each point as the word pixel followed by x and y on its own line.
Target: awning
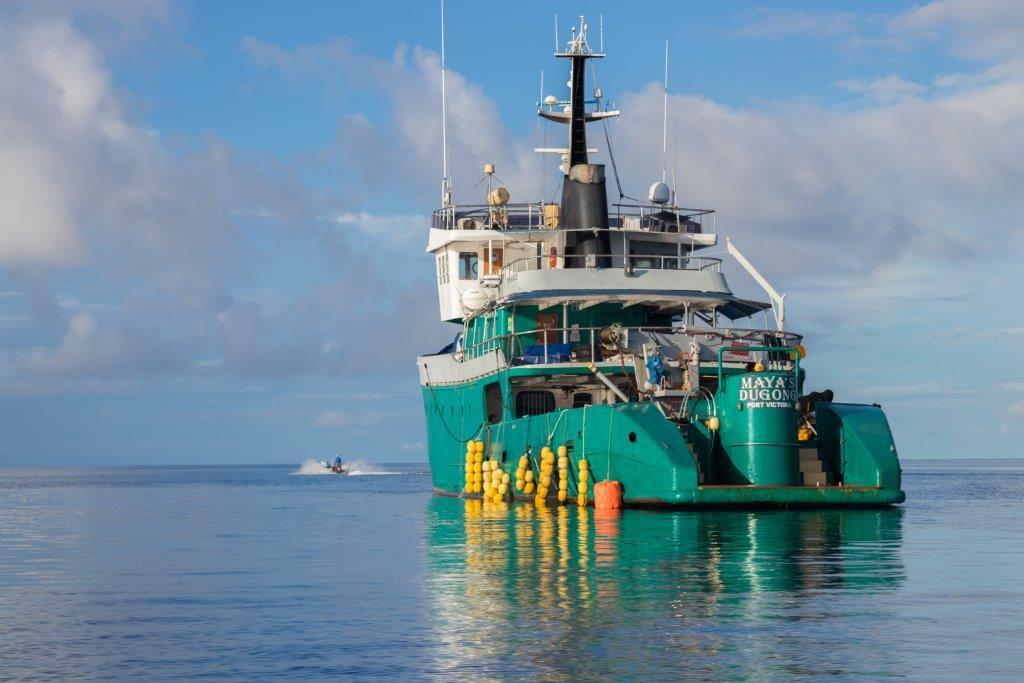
pixel 731 307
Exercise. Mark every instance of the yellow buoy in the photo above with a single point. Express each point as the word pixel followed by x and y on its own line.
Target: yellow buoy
pixel 562 451
pixel 562 496
pixel 505 477
pixel 487 475
pixel 542 490
pixel 479 446
pixel 758 366
pixel 581 499
pixel 529 475
pixel 563 462
pixel 563 484
pixel 478 457
pixel 539 500
pixel 584 464
pixel 528 489
pixel 714 423
pixel 545 479
pixel 523 462
pixel 503 489
pixel 582 487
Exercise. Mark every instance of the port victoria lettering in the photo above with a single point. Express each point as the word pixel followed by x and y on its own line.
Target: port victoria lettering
pixel 768 392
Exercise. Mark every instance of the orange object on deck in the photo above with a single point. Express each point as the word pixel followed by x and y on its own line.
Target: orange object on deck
pixel 608 495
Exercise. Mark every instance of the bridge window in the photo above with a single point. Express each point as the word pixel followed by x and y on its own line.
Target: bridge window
pixel 442 268
pixel 468 265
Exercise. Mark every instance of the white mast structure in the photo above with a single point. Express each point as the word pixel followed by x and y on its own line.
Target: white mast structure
pixel 660 192
pixel 446 185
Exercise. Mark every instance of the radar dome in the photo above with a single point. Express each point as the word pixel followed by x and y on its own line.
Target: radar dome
pixel 659 193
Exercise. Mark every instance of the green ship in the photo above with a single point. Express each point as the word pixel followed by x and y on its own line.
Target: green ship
pixel 596 343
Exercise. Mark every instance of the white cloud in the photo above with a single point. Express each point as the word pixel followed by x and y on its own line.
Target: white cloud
pixel 980 29
pixel 885 90
pixel 780 23
pixel 90 349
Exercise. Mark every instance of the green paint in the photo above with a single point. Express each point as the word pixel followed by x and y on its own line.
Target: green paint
pixel 634 444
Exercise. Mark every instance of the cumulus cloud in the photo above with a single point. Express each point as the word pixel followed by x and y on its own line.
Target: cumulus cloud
pixel 887 89
pixel 982 29
pixel 778 23
pixel 185 245
pixel 90 349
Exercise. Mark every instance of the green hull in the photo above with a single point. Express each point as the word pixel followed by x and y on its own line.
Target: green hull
pixel 634 444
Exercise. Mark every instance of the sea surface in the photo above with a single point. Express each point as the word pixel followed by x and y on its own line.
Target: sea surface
pixel 254 573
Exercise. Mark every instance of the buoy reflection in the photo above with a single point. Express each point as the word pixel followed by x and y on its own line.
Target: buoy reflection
pixel 501 574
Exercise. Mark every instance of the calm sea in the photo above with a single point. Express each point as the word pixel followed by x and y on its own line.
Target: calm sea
pixel 259 573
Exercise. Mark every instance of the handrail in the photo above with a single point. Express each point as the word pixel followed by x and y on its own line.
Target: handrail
pixel 652 217
pixel 593 342
pixel 495 342
pixel 791 349
pixel 707 262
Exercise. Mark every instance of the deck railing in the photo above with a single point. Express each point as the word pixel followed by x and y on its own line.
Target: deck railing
pixel 530 216
pixel 587 345
pixel 632 261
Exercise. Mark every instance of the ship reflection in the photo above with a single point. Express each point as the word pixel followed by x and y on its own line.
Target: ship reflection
pixel 556 589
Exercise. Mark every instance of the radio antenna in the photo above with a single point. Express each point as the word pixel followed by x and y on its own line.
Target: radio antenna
pixel 446 187
pixel 664 120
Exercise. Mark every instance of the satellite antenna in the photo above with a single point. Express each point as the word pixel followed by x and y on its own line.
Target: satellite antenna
pixel 446 185
pixel 659 192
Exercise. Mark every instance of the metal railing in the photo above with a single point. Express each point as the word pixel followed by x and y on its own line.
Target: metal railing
pixel 632 261
pixel 530 216
pixel 583 340
pixel 511 343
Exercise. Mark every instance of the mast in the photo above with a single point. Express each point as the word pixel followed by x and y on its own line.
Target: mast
pixel 584 197
pixel 446 188
pixel 664 120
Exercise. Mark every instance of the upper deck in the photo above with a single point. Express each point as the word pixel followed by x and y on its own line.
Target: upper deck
pixel 638 217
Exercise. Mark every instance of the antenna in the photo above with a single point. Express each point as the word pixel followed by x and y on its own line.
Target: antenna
pixel 600 23
pixel 660 192
pixel 664 121
pixel 556 31
pixel 543 159
pixel 446 190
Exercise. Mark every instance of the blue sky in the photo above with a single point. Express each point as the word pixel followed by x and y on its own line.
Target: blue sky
pixel 211 249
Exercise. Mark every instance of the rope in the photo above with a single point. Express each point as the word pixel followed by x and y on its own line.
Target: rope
pixel 551 434
pixel 444 423
pixel 608 472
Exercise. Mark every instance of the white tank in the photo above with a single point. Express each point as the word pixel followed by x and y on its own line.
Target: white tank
pixel 659 193
pixel 475 298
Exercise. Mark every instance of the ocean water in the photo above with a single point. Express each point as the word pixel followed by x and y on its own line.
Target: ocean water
pixel 259 573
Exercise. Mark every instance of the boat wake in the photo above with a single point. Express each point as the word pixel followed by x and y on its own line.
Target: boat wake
pixel 360 467
pixel 354 468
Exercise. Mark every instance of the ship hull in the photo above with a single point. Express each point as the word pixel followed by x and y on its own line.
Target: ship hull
pixel 634 444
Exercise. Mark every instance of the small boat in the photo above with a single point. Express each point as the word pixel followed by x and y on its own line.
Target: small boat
pixel 335 466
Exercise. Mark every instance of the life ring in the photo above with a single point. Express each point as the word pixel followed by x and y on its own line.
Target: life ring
pixel 553 258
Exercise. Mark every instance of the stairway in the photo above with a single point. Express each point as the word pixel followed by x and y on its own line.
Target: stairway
pixel 811 471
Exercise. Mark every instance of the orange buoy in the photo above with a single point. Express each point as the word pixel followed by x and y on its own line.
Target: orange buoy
pixel 553 258
pixel 608 495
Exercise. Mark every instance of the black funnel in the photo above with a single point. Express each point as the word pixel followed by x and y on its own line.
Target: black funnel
pixel 584 198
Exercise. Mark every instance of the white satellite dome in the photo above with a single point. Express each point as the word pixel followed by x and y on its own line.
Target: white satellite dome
pixel 659 193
